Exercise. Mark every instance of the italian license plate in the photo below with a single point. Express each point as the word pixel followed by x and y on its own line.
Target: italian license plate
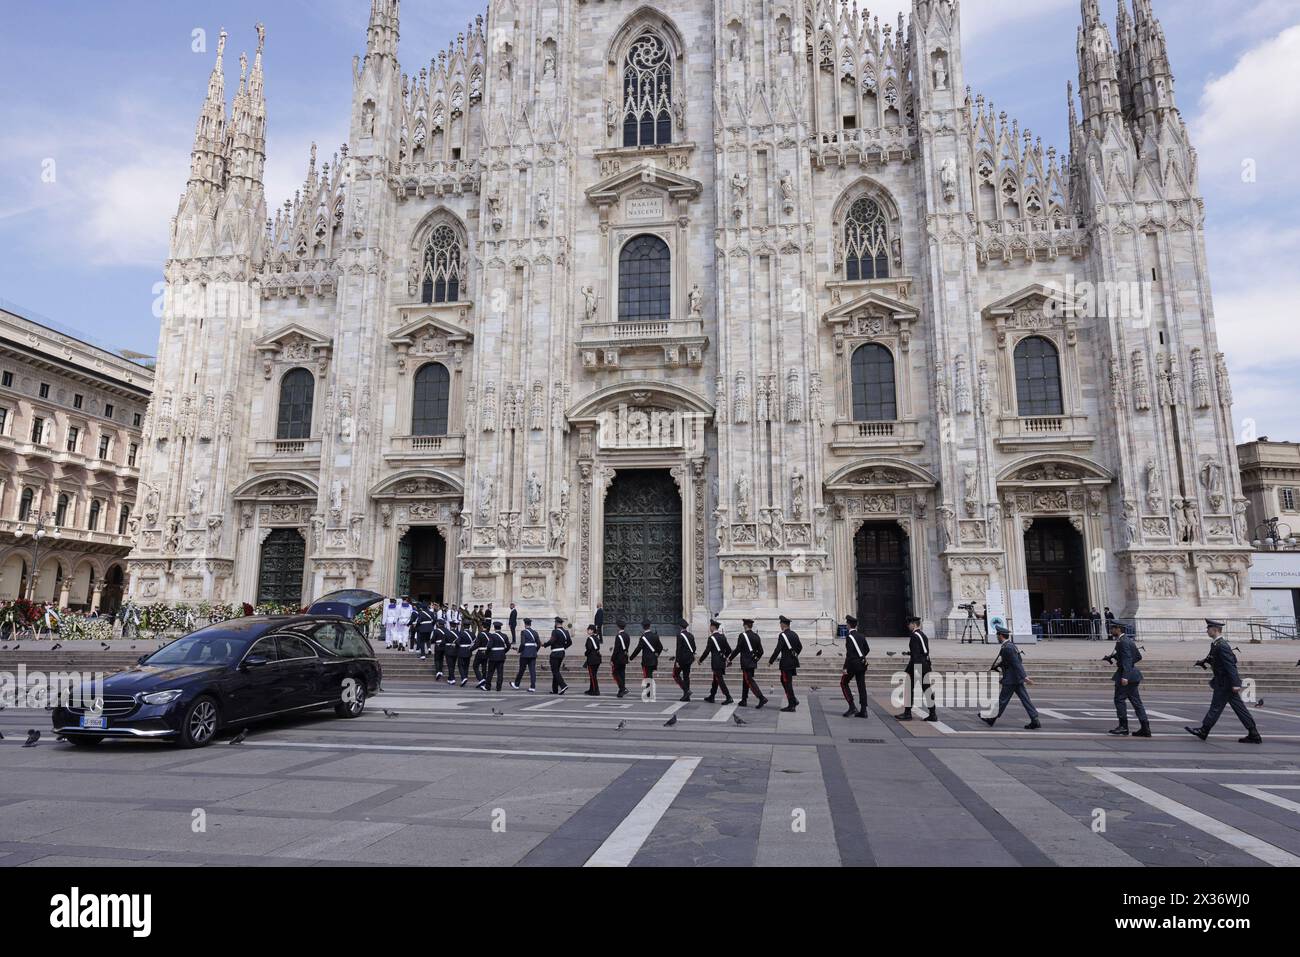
pixel 97 722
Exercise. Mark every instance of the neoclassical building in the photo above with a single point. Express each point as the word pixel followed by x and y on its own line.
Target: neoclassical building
pixel 742 307
pixel 70 448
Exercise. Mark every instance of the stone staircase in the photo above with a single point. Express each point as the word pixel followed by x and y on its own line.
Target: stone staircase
pixel 1087 671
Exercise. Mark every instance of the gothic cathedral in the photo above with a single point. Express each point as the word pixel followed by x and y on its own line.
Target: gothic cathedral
pixel 743 307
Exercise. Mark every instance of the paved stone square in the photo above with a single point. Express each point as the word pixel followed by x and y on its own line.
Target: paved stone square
pixel 458 777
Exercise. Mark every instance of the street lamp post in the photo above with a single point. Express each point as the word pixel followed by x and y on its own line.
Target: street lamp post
pixel 1276 537
pixel 39 534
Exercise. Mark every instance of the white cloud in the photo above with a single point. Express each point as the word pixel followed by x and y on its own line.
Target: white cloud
pixel 1252 113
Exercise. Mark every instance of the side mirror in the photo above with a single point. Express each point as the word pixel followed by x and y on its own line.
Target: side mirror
pixel 252 661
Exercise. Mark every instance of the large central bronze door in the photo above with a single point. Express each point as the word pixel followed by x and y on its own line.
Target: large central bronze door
pixel 279 578
pixel 884 579
pixel 643 549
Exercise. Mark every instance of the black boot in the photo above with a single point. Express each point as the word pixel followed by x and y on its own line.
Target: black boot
pixel 1199 732
pixel 1252 738
pixel 1120 732
pixel 851 712
pixel 761 702
pixel 863 713
pixel 1033 725
pixel 989 721
pixel 1143 732
pixel 906 715
pixel 933 716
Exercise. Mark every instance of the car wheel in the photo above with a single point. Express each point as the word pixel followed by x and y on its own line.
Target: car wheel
pixel 200 723
pixel 354 702
pixel 84 742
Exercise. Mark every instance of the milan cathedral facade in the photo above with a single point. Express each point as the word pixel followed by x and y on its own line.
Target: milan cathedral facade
pixel 743 307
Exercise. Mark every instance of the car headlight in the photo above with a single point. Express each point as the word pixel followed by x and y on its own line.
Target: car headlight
pixel 160 697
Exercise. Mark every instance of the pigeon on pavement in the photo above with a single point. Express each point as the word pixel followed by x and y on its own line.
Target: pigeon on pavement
pixel 738 719
pixel 32 737
pixel 390 714
pixel 499 714
pixel 239 738
pixel 621 726
pixel 670 722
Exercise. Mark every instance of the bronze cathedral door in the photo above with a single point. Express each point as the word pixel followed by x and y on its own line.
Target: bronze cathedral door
pixel 643 550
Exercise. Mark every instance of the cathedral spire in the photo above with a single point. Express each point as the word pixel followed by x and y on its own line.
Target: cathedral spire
pixel 1153 76
pixel 382 33
pixel 1098 71
pixel 247 149
pixel 207 163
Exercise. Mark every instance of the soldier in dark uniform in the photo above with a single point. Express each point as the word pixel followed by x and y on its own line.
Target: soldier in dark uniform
pixel 559 640
pixel 749 646
pixel 498 645
pixel 514 623
pixel 464 650
pixel 439 646
pixel 599 620
pixel 649 647
pixel 683 658
pixel 1127 678
pixel 1227 687
pixel 592 659
pixel 423 621
pixel 618 657
pixel 856 650
pixel 529 642
pixel 718 650
pixel 480 655
pixel 918 659
pixel 788 647
pixel 1013 681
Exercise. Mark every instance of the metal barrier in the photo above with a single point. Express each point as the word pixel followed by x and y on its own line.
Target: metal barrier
pixel 1260 627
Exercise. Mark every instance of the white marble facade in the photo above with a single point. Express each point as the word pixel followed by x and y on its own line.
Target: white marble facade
pixel 822 182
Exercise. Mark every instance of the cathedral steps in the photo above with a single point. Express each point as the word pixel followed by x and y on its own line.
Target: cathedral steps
pixel 1270 676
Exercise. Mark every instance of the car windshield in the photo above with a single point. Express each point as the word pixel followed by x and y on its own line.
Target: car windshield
pixel 199 649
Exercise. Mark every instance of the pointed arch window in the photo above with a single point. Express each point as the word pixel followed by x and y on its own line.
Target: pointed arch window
pixel 1038 378
pixel 443 269
pixel 874 397
pixel 296 391
pixel 866 241
pixel 429 406
pixel 645 281
pixel 648 92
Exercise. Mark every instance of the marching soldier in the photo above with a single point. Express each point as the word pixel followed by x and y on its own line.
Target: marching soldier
pixel 918 658
pixel 1014 679
pixel 424 622
pixel 749 646
pixel 464 650
pixel 719 651
pixel 619 657
pixel 592 660
pixel 856 650
pixel 498 645
pixel 559 640
pixel 440 633
pixel 514 623
pixel 1127 678
pixel 480 655
pixel 788 647
pixel 649 647
pixel 1227 687
pixel 529 642
pixel 683 658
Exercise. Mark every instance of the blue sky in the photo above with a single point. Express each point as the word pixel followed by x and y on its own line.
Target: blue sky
pixel 110 90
